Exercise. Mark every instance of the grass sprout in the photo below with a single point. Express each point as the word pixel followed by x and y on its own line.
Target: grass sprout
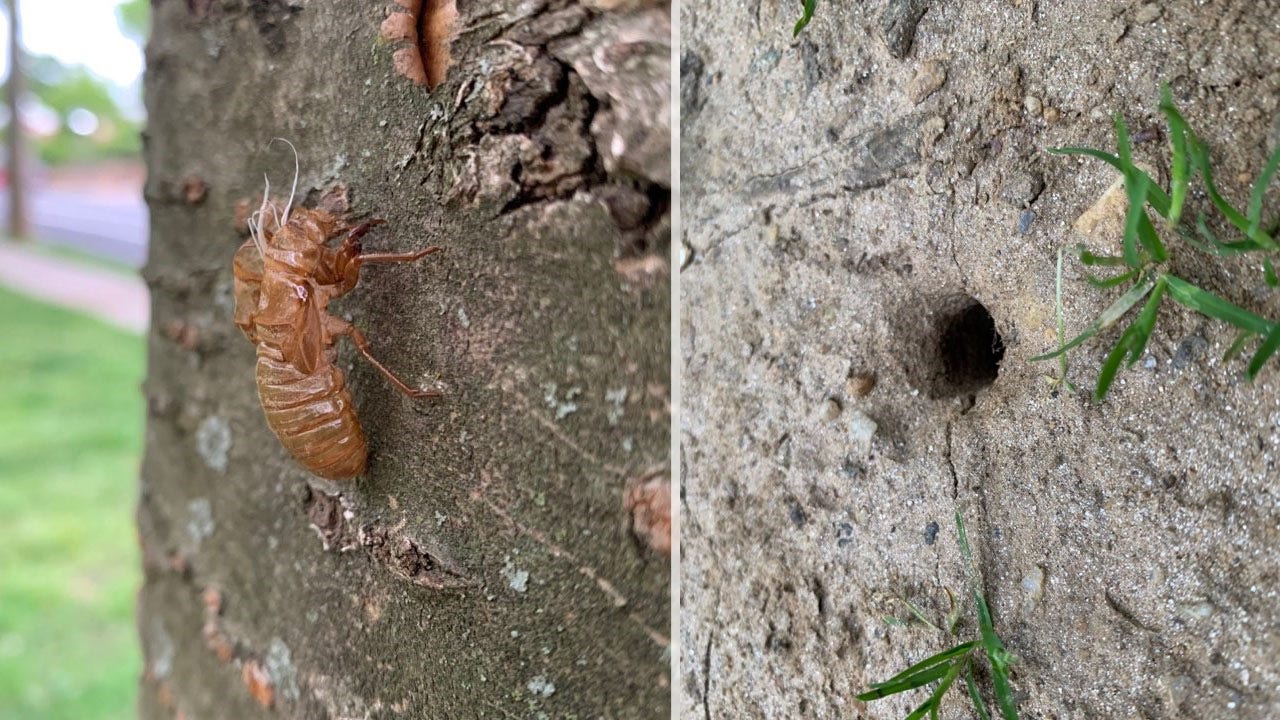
pixel 1142 265
pixel 805 17
pixel 946 667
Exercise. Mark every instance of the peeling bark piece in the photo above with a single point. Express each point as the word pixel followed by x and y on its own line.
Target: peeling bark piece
pixel 194 189
pixel 545 27
pixel 648 507
pixel 625 61
pixel 270 17
pixel 520 94
pixel 426 31
pixel 258 681
pixel 438 33
pixel 899 24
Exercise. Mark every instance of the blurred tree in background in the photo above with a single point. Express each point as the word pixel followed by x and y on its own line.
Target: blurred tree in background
pixel 71 113
pixel 134 17
pixel 90 123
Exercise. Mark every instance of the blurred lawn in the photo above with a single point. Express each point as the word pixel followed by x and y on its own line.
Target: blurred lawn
pixel 71 421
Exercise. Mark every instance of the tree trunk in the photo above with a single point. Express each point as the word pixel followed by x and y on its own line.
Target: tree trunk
pixel 887 187
pixel 15 146
pixel 487 564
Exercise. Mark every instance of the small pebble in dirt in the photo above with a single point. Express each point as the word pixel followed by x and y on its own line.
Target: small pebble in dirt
pixel 1052 115
pixel 861 430
pixel 797 514
pixel 1021 189
pixel 1146 13
pixel 1188 350
pixel 861 383
pixel 928 78
pixel 831 408
pixel 844 534
pixel 930 533
pixel 1149 363
pixel 1033 105
pixel 851 467
pixel 1024 221
pixel 1033 586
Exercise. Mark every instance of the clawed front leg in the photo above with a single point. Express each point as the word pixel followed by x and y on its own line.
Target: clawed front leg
pixel 341 327
pixel 398 257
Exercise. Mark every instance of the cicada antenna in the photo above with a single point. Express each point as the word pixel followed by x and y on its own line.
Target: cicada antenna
pixel 255 220
pixel 296 170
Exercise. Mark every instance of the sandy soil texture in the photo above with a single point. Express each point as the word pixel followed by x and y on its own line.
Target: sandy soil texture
pixel 866 208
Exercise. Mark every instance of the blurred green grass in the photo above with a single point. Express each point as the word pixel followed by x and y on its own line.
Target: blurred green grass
pixel 71 424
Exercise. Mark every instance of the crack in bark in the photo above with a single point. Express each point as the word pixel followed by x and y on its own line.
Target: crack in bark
pixel 706 678
pixel 541 131
pixel 402 555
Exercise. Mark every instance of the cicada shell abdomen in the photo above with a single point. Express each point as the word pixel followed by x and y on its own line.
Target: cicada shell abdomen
pixel 314 417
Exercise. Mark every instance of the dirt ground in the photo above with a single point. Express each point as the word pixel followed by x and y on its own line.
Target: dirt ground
pixel 852 201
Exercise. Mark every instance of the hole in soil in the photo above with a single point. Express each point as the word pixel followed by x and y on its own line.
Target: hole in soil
pixel 970 349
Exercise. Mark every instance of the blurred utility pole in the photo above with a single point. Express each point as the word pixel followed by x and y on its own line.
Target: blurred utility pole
pixel 15 146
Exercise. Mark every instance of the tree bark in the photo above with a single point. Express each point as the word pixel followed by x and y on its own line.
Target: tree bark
pixel 15 147
pixel 487 564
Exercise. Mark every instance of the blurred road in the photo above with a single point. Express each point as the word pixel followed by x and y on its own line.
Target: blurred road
pixel 111 225
pixel 111 296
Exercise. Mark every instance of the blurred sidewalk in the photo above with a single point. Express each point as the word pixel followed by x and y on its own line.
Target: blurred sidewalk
pixel 116 298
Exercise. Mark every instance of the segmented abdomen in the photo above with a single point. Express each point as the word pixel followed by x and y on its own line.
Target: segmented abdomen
pixel 314 417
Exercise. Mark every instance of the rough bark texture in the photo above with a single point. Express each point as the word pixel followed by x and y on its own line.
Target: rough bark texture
pixel 845 195
pixel 483 567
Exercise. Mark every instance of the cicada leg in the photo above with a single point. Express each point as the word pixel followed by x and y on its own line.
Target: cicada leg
pixel 341 327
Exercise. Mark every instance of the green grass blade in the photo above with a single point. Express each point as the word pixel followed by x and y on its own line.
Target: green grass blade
pixel 1206 303
pixel 1088 258
pixel 928 662
pixel 1265 351
pixel 1122 143
pixel 920 712
pixel 1237 345
pixel 931 705
pixel 1269 273
pixel 979 704
pixel 1214 246
pixel 1200 154
pixel 1181 178
pixel 1260 189
pixel 953 615
pixel 1004 693
pixel 1108 283
pixel 1136 189
pixel 1111 366
pixel 1158 198
pixel 990 641
pixel 1145 324
pixel 1114 312
pixel 996 653
pixel 918 613
pixel 912 682
pixel 1150 239
pixel 809 7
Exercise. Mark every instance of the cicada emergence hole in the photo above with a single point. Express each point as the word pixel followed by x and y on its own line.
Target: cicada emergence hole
pixel 969 348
